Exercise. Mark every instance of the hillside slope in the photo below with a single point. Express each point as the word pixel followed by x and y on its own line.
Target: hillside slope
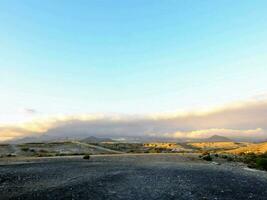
pixel 252 148
pixel 53 149
pixel 217 145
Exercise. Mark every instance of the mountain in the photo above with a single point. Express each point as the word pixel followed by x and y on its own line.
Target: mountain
pixel 93 139
pixel 28 140
pixel 217 138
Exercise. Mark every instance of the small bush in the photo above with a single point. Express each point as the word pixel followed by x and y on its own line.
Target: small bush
pixel 241 154
pixel 45 154
pixel 25 148
pixel 258 161
pixel 250 158
pixel 154 150
pixel 230 159
pixel 264 155
pixel 205 153
pixel 86 157
pixel 261 163
pixel 207 157
pixel 43 151
pixel 32 150
pixel 11 155
pixel 216 155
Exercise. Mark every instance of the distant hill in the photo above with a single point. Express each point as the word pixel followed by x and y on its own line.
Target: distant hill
pixel 93 139
pixel 49 138
pixel 217 138
pixel 217 145
pixel 28 140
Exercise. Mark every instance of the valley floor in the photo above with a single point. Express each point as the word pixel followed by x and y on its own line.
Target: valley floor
pixel 142 176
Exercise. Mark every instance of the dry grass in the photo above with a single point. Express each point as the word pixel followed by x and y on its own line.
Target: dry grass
pixel 251 148
pixel 164 145
pixel 217 145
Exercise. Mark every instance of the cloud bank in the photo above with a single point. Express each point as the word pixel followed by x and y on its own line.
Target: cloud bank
pixel 246 119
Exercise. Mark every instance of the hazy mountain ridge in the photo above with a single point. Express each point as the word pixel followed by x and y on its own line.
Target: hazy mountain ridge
pixel 217 138
pixel 110 138
pixel 93 139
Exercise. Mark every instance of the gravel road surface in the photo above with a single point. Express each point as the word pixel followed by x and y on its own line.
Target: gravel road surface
pixel 134 177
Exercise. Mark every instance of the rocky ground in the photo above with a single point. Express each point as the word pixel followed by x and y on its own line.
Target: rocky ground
pixel 153 176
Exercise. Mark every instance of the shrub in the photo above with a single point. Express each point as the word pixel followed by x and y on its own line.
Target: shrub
pixel 250 158
pixel 32 150
pixel 154 150
pixel 207 157
pixel 264 155
pixel 43 151
pixel 261 163
pixel 230 159
pixel 253 160
pixel 11 155
pixel 241 154
pixel 86 157
pixel 205 153
pixel 25 148
pixel 45 155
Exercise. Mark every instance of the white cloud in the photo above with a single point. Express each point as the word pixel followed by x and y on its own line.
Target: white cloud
pixel 28 111
pixel 246 119
pixel 258 133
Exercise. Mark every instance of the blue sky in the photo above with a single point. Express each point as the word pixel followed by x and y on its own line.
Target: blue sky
pixel 130 57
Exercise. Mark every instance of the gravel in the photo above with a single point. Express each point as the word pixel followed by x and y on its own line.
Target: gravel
pixel 153 176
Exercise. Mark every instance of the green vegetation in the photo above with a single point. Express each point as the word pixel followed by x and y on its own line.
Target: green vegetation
pixel 257 161
pixel 11 155
pixel 206 156
pixel 254 160
pixel 43 151
pixel 230 159
pixel 25 149
pixel 8 155
pixel 262 163
pixel 86 157
pixel 154 150
pixel 32 150
pixel 45 154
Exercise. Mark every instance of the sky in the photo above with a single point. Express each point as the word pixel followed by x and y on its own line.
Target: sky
pixel 133 58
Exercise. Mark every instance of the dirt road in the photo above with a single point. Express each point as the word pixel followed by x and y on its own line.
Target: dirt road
pixel 130 177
